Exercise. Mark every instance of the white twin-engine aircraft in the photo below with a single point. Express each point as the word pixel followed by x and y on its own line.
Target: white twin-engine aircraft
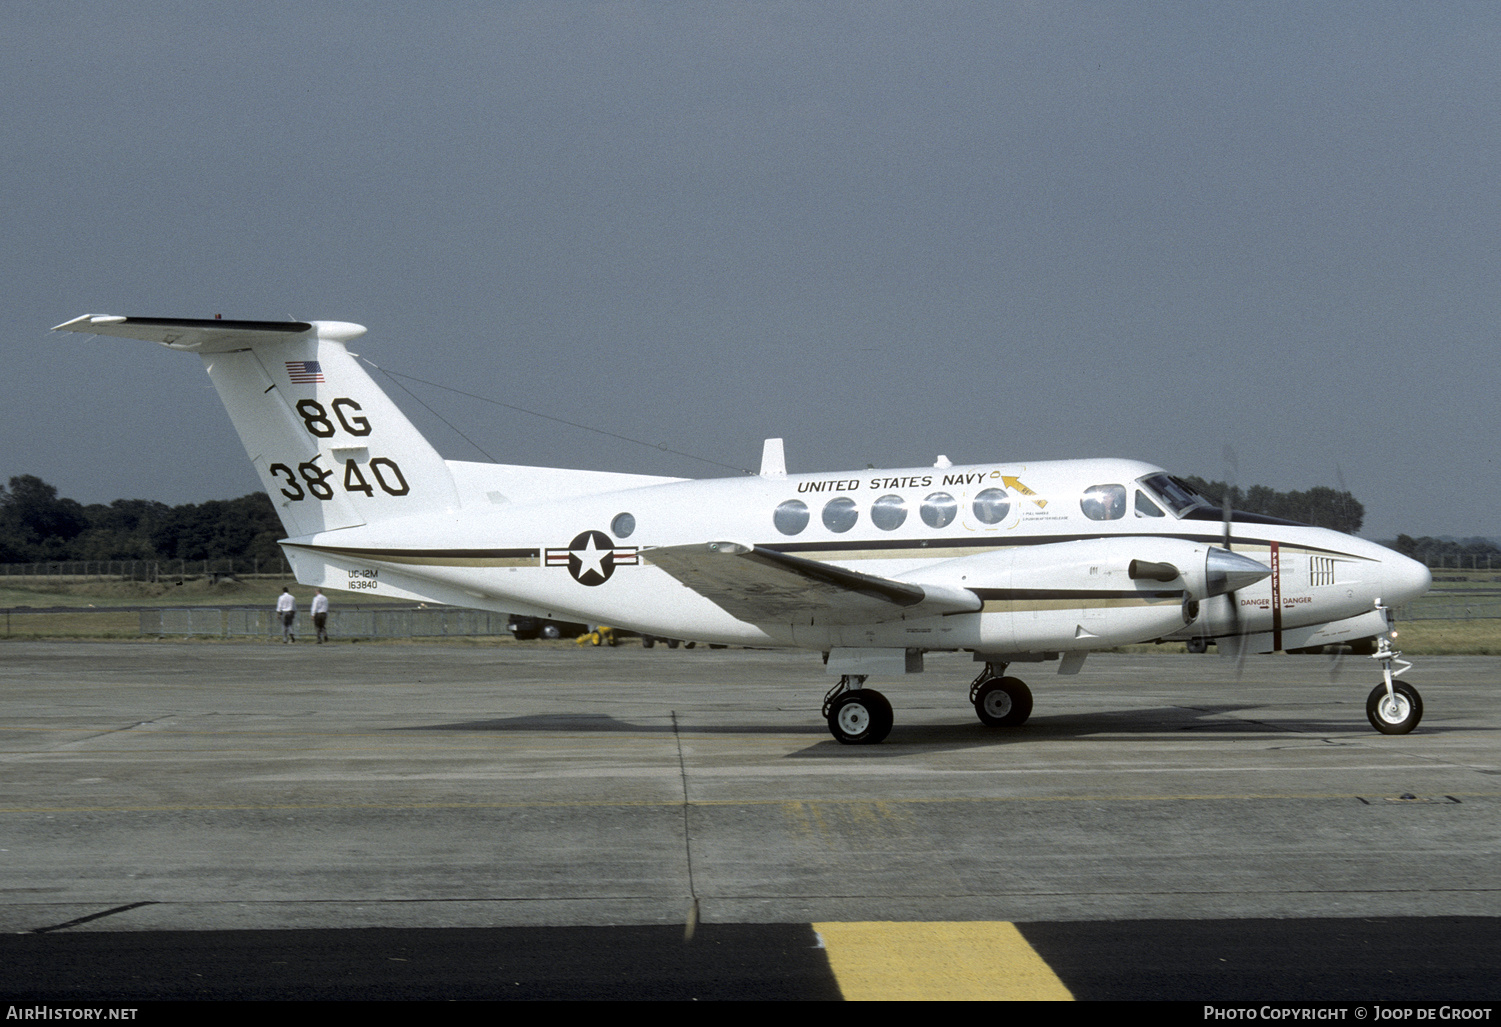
pixel 1016 563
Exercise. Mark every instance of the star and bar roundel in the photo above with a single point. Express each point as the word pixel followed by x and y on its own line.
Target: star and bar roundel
pixel 592 557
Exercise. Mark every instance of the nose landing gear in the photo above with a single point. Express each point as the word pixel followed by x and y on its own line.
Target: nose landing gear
pixel 1394 707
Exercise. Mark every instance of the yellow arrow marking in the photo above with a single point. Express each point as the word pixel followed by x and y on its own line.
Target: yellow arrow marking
pixel 1015 484
pixel 942 961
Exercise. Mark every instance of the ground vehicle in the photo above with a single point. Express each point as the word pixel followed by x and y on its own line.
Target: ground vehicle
pixel 525 628
pixel 647 641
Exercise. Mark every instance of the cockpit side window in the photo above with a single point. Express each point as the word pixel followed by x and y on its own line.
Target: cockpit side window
pixel 1173 494
pixel 1145 507
pixel 1104 502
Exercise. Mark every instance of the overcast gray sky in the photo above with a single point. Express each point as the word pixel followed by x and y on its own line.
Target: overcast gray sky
pixel 884 231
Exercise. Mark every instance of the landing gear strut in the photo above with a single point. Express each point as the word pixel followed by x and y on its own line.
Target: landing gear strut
pixel 1000 701
pixel 857 715
pixel 1394 707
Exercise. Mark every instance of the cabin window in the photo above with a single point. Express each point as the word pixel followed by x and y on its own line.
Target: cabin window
pixel 623 525
pixel 840 514
pixel 1104 502
pixel 992 506
pixel 1145 507
pixel 791 517
pixel 888 512
pixel 938 510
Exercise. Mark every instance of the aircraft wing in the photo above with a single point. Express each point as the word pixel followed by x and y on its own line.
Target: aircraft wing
pixel 761 585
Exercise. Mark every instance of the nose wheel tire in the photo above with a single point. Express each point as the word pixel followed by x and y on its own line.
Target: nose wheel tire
pixel 1003 702
pixel 861 716
pixel 1394 714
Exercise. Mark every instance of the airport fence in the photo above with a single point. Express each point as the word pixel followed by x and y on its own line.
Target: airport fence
pixel 443 622
pixel 1461 562
pixel 74 571
pixel 1451 607
pixel 221 622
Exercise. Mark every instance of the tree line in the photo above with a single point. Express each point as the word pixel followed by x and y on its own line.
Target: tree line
pixel 37 525
pixel 1320 506
pixel 1446 552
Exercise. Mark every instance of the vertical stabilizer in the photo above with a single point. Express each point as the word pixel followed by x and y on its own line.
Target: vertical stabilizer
pixel 331 448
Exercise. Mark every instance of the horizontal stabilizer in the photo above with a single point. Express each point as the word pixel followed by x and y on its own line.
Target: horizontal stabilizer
pixel 207 335
pixel 764 586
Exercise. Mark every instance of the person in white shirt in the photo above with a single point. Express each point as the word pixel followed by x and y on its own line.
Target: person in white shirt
pixel 320 614
pixel 286 609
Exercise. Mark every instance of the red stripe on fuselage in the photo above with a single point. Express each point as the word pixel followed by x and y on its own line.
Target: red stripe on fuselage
pixel 1276 598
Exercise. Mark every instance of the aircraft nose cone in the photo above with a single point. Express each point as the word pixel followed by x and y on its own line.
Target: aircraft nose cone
pixel 1403 580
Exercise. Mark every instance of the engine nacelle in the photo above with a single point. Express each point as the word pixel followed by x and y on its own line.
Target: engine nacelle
pixel 1091 593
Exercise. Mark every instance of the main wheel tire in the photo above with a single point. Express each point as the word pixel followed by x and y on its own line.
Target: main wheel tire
pixel 860 717
pixel 672 643
pixel 1003 702
pixel 551 631
pixel 1397 714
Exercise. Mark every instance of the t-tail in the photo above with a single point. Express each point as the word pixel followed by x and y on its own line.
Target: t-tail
pixel 331 448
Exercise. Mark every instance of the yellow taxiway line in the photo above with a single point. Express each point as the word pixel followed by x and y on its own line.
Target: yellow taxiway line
pixel 983 960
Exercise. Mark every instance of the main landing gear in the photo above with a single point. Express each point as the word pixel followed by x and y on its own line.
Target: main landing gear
pixel 1000 701
pixel 861 716
pixel 1394 707
pixel 857 715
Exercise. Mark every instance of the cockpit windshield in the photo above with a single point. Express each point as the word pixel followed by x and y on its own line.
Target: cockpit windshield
pixel 1177 496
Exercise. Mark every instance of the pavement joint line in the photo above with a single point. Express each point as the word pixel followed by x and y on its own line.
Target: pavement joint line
pixel 675 802
pixel 93 916
pixel 691 922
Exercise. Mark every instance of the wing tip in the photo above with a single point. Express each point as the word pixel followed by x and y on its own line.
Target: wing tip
pixel 84 322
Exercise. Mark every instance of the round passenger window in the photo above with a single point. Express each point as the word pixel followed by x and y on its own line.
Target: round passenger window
pixel 938 509
pixel 1104 502
pixel 992 506
pixel 791 517
pixel 623 525
pixel 888 512
pixel 840 514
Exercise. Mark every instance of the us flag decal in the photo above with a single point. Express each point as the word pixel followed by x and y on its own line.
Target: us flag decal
pixel 304 372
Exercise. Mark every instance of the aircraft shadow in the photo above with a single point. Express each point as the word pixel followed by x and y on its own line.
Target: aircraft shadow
pixel 1219 719
pixel 604 723
pixel 906 739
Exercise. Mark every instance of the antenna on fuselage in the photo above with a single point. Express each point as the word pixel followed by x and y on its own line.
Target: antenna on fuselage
pixel 773 459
